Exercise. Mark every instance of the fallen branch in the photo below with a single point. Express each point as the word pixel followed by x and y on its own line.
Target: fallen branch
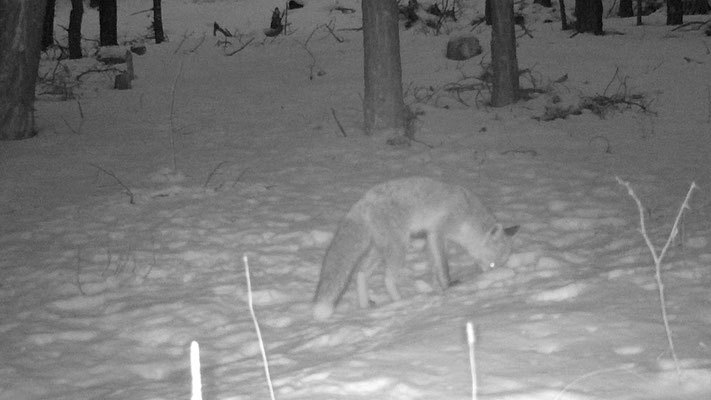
pixel 343 131
pixel 128 191
pixel 241 48
pixel 658 257
pixel 256 327
pixel 212 173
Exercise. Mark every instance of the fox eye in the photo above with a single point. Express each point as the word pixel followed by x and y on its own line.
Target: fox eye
pixel 492 265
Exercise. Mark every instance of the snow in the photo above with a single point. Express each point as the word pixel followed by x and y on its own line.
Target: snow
pixel 101 296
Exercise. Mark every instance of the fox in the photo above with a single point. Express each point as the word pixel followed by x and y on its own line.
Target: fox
pixel 377 229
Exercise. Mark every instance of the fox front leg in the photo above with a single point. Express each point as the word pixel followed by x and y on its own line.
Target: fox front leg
pixel 394 254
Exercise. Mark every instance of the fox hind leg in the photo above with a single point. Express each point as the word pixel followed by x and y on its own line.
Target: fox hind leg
pixel 390 285
pixel 370 261
pixel 438 260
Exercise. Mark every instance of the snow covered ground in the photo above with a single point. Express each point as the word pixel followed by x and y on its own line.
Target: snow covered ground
pixel 112 260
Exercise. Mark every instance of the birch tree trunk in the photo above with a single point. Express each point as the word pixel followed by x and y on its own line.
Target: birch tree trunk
pixel 383 105
pixel 503 54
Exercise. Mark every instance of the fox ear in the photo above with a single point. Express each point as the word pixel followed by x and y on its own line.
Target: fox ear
pixel 511 230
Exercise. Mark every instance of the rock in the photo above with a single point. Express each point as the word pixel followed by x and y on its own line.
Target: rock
pixel 122 81
pixel 463 48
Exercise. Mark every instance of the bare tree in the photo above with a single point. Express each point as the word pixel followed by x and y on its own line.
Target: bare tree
pixel 589 16
pixel 503 54
pixel 675 12
pixel 21 23
pixel 158 22
pixel 48 27
pixel 383 105
pixel 75 17
pixel 626 9
pixel 107 23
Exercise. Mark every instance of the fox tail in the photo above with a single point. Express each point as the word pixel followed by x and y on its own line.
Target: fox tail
pixel 349 246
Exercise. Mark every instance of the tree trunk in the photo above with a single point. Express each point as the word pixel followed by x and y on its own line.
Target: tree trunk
pixel 383 105
pixel 158 22
pixel 639 12
pixel 487 12
pixel 675 12
pixel 48 27
pixel 589 16
pixel 563 17
pixel 503 54
pixel 75 17
pixel 699 7
pixel 626 9
pixel 107 23
pixel 20 46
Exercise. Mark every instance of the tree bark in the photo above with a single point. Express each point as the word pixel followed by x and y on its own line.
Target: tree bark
pixel 503 54
pixel 700 7
pixel 21 23
pixel 75 18
pixel 158 22
pixel 563 17
pixel 383 105
pixel 675 12
pixel 487 12
pixel 107 23
pixel 589 16
pixel 626 9
pixel 48 27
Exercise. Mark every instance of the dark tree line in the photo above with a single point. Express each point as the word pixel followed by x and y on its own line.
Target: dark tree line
pixel 107 20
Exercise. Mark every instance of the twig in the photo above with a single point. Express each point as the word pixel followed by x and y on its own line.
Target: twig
pixel 305 45
pixel 172 111
pixel 331 30
pixel 594 373
pixel 97 70
pixel 74 131
pixel 617 70
pixel 429 146
pixel 212 173
pixel 185 37
pixel 520 150
pixel 129 193
pixel 142 11
pixel 256 327
pixel 696 24
pixel 343 131
pixel 240 49
pixel 471 339
pixel 79 272
pixel 658 257
pixel 197 46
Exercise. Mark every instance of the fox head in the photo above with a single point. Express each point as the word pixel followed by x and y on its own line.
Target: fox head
pixel 490 250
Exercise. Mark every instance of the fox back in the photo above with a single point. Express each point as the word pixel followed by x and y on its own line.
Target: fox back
pixel 378 227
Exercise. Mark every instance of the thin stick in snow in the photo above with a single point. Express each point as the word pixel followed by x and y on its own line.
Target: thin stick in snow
pixel 471 339
pixel 343 131
pixel 658 257
pixel 195 376
pixel 256 327
pixel 129 193
pixel 172 111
